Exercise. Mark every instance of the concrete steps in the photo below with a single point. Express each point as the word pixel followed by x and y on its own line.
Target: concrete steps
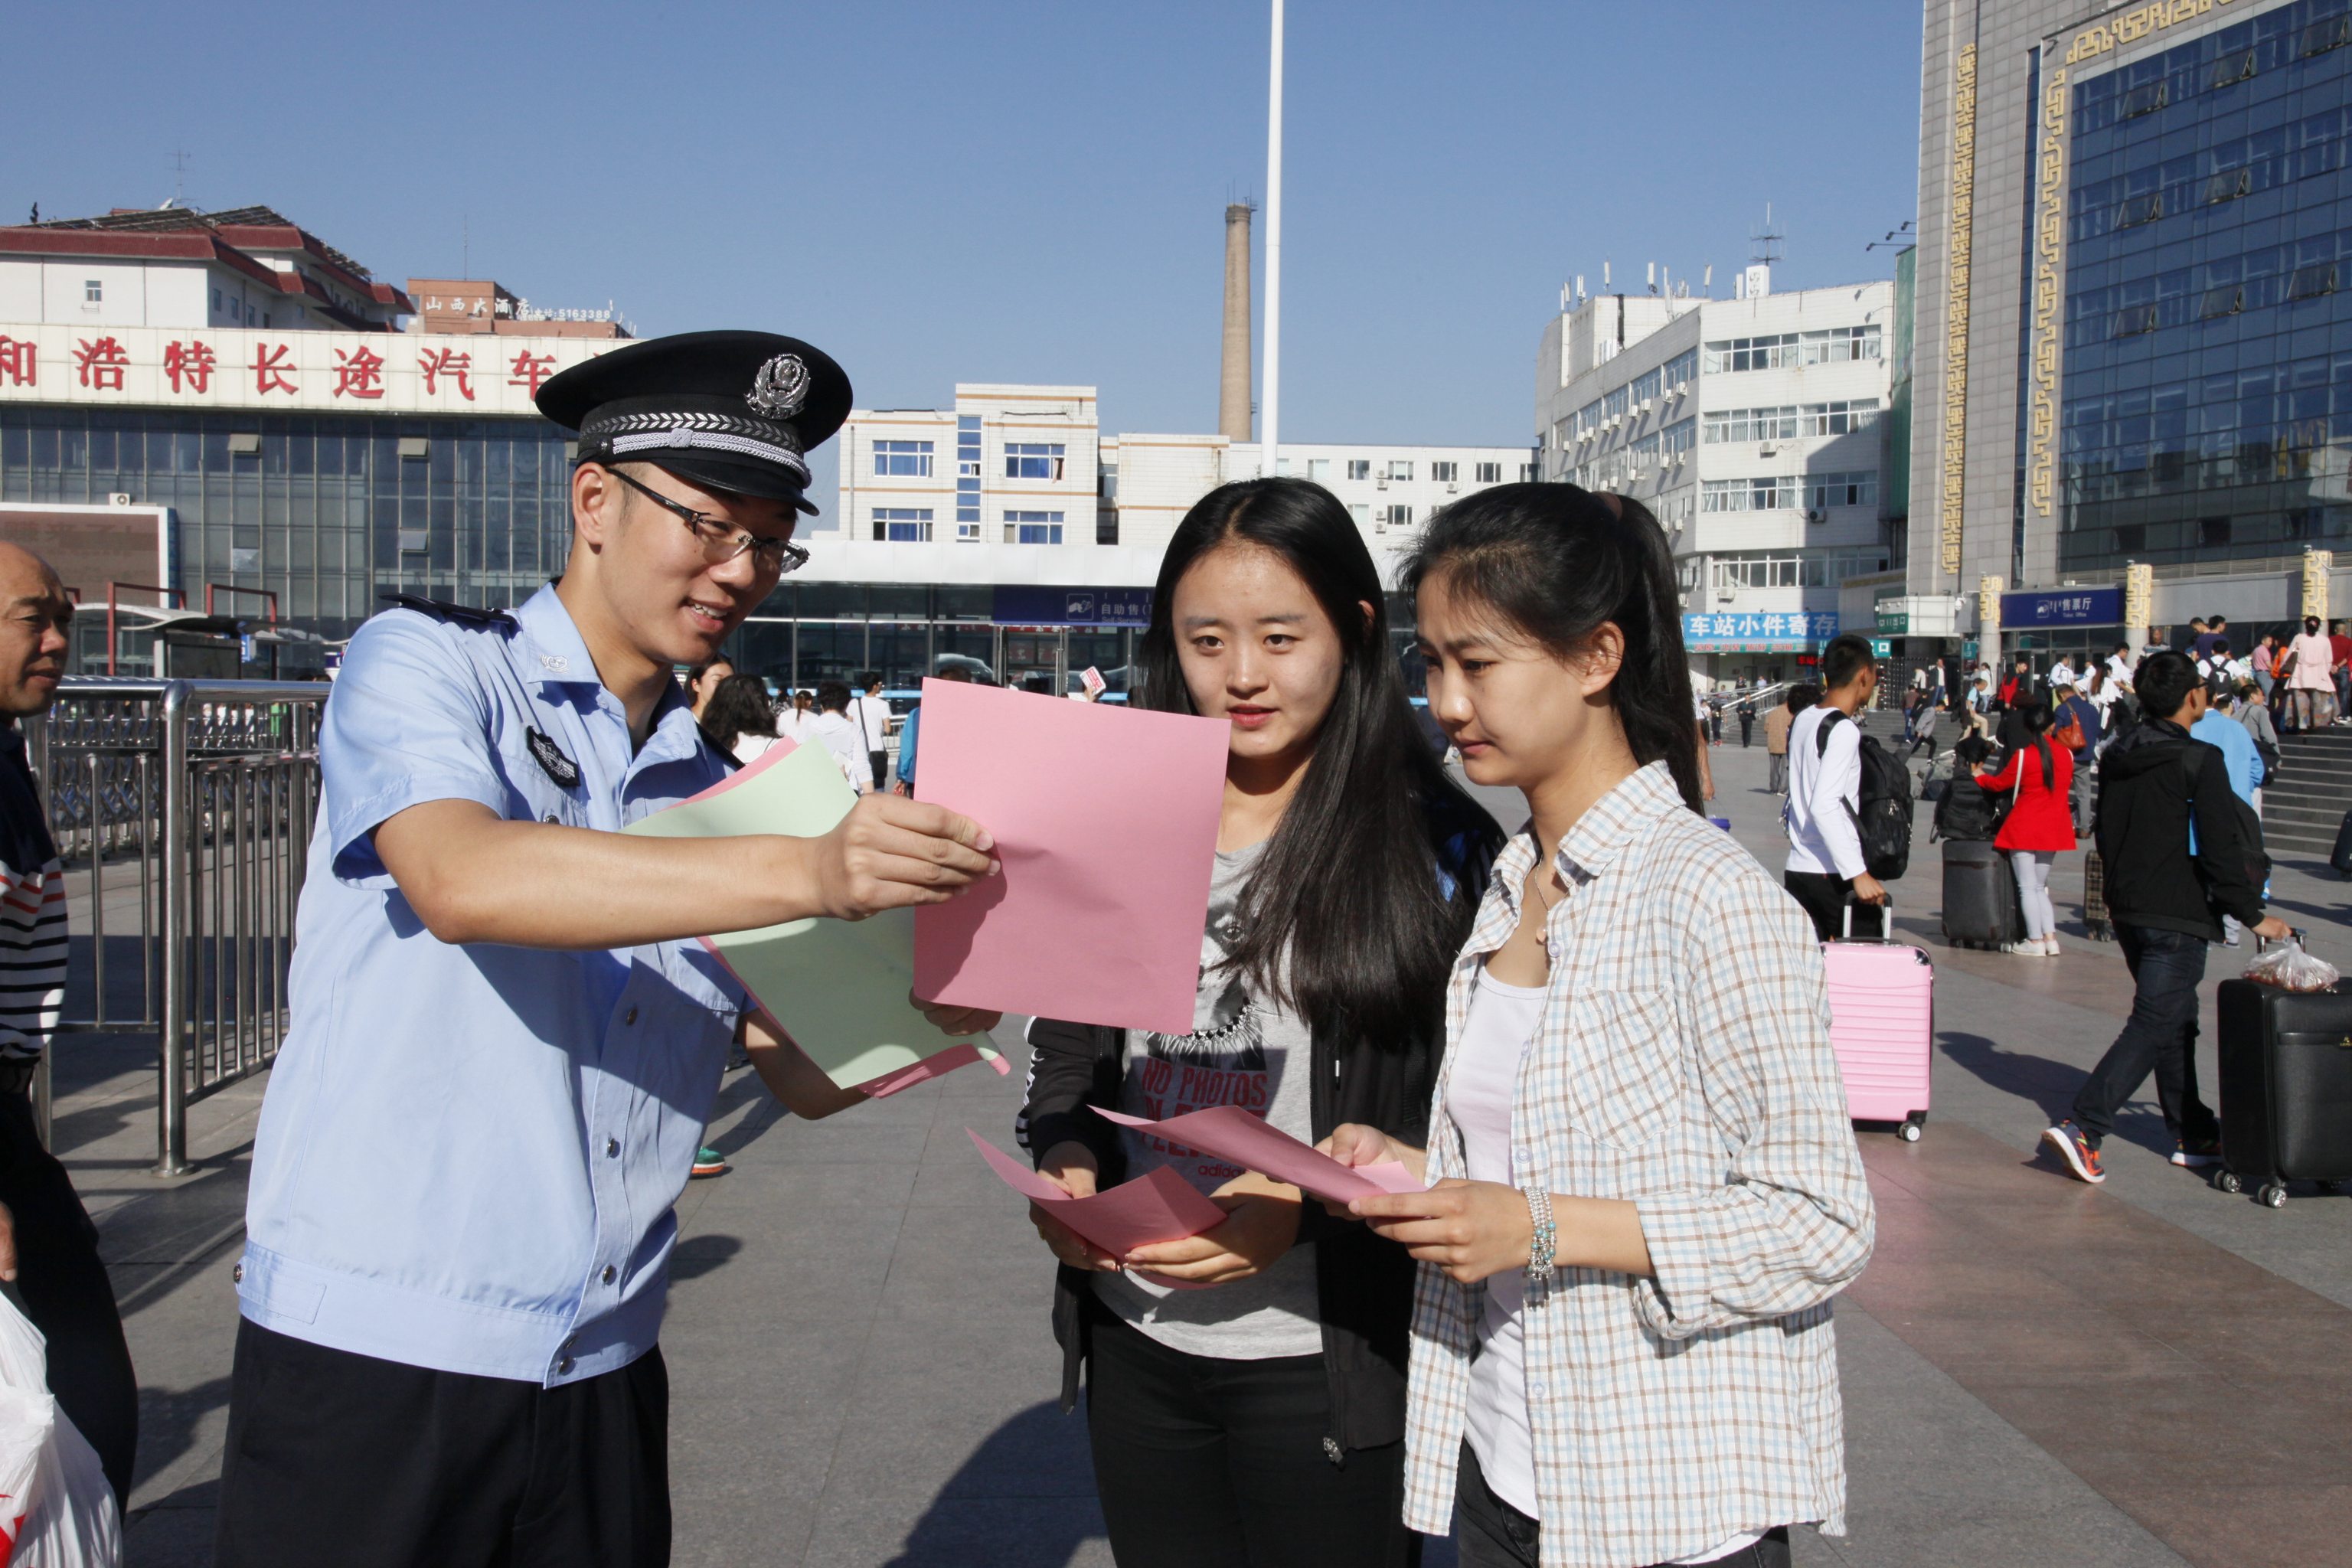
pixel 2302 812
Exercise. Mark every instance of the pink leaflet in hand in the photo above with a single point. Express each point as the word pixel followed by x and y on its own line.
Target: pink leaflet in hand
pixel 1106 823
pixel 963 1054
pixel 1232 1132
pixel 1162 1206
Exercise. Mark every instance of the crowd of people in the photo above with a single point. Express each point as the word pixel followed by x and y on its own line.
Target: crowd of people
pixel 1600 1334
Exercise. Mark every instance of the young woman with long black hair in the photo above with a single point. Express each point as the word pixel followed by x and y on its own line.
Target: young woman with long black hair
pixel 1646 1189
pixel 1261 1420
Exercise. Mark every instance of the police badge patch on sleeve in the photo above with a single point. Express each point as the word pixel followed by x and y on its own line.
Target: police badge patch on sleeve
pixel 549 756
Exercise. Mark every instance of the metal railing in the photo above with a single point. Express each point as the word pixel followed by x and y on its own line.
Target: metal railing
pixel 188 804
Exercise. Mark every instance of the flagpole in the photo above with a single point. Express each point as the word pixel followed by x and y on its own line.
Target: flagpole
pixel 1270 425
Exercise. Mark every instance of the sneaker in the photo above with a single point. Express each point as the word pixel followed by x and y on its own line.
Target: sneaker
pixel 710 1162
pixel 2081 1156
pixel 2197 1154
pixel 2023 949
pixel 2050 948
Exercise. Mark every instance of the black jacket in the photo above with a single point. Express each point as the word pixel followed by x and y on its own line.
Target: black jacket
pixel 1363 1285
pixel 2143 833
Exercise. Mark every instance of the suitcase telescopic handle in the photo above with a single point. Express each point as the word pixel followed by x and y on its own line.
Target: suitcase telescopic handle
pixel 1885 916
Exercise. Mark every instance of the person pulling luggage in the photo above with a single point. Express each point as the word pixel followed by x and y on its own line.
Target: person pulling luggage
pixel 2166 900
pixel 1825 852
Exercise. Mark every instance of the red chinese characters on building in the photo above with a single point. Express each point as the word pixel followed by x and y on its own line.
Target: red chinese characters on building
pixel 100 365
pixel 190 363
pixel 434 363
pixel 359 373
pixel 270 363
pixel 530 369
pixel 20 362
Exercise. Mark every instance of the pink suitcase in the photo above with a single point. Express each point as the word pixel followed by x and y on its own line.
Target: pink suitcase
pixel 1882 1027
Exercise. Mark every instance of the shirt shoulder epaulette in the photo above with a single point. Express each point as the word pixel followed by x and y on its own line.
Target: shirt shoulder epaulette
pixel 472 616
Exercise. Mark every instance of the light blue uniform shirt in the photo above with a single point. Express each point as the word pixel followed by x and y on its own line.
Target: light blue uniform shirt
pixel 467 1154
pixel 2237 754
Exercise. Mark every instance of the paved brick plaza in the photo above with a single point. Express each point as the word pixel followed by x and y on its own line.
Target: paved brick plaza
pixel 2149 1373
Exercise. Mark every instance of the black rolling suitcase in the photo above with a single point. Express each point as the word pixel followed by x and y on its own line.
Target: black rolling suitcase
pixel 2098 924
pixel 1981 906
pixel 2286 1088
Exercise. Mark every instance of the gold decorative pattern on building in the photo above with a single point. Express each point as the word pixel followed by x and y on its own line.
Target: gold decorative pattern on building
pixel 1989 591
pixel 2139 595
pixel 2316 565
pixel 2049 270
pixel 1955 307
pixel 2134 25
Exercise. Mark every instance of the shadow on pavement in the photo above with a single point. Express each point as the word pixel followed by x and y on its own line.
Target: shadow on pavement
pixel 945 1534
pixel 700 1254
pixel 2051 1085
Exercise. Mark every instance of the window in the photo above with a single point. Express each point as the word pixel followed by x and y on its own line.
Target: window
pixel 2321 37
pixel 968 533
pixel 1678 437
pixel 2137 210
pixel 264 318
pixel 1752 424
pixel 1614 404
pixel 1588 418
pixel 2311 282
pixel 902 459
pixel 1319 468
pixel 1444 473
pixel 93 292
pixel 1362 513
pixel 968 476
pixel 1680 369
pixel 1840 345
pixel 2132 321
pixel 1753 354
pixel 902 525
pixel 1527 473
pixel 1647 386
pixel 2228 185
pixel 1490 473
pixel 1359 468
pixel 1032 460
pixel 1106 526
pixel 1400 468
pixel 1396 517
pixel 1033 528
pixel 1840 418
pixel 216 304
pixel 2144 99
pixel 2226 301
pixel 1825 490
pixel 2233 69
pixel 1771 494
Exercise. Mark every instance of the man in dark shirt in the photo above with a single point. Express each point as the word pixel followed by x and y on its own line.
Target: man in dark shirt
pixel 2166 901
pixel 2074 707
pixel 2217 629
pixel 49 1248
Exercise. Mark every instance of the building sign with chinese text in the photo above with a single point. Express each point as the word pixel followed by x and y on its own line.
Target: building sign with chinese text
pixel 375 373
pixel 1024 603
pixel 1774 631
pixel 2062 608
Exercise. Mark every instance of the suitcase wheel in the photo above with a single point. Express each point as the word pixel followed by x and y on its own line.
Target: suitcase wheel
pixel 2226 1180
pixel 2273 1195
pixel 2331 1186
pixel 1909 1130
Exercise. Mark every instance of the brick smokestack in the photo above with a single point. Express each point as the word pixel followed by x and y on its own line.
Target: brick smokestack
pixel 1234 391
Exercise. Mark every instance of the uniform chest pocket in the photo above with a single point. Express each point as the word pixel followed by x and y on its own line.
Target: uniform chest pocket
pixel 536 796
pixel 1625 1066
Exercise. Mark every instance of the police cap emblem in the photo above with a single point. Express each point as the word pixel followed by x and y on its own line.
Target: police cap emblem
pixel 781 388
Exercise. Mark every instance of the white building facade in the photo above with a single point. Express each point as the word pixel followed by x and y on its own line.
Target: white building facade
pixel 1750 427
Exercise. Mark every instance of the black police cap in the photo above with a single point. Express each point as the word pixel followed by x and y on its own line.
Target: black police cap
pixel 730 411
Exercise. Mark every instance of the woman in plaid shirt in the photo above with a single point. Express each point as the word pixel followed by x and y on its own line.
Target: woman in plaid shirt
pixel 1645 1190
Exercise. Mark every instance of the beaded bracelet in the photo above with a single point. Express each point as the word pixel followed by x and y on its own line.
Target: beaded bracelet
pixel 1546 1240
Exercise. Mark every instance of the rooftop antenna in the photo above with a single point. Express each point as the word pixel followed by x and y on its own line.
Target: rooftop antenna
pixel 1604 278
pixel 466 245
pixel 1766 239
pixel 179 178
pixel 1895 238
pixel 1706 281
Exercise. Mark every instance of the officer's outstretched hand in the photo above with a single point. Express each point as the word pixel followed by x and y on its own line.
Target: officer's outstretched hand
pixel 890 853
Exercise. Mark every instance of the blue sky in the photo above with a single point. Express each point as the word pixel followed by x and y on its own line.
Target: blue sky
pixel 1025 191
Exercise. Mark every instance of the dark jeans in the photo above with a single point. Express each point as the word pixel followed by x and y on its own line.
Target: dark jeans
pixel 1491 1534
pixel 340 1460
pixel 880 762
pixel 1202 1462
pixel 1824 895
pixel 1747 728
pixel 2160 1035
pixel 66 1295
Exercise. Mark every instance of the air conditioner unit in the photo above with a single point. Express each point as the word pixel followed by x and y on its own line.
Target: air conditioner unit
pixel 1453 486
pixel 1725 596
pixel 1768 450
pixel 1816 514
pixel 118 498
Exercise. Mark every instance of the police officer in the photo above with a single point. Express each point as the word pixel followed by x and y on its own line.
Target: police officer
pixel 504 1044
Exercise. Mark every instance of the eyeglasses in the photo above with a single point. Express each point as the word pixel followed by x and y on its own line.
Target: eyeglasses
pixel 722 540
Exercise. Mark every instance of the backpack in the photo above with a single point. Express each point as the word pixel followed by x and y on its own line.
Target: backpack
pixel 1881 815
pixel 2249 827
pixel 1967 813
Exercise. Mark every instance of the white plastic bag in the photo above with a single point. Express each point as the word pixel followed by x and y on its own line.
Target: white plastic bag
pixel 2286 965
pixel 56 1508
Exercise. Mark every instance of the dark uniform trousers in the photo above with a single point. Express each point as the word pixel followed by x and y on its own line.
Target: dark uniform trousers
pixel 341 1460
pixel 67 1294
